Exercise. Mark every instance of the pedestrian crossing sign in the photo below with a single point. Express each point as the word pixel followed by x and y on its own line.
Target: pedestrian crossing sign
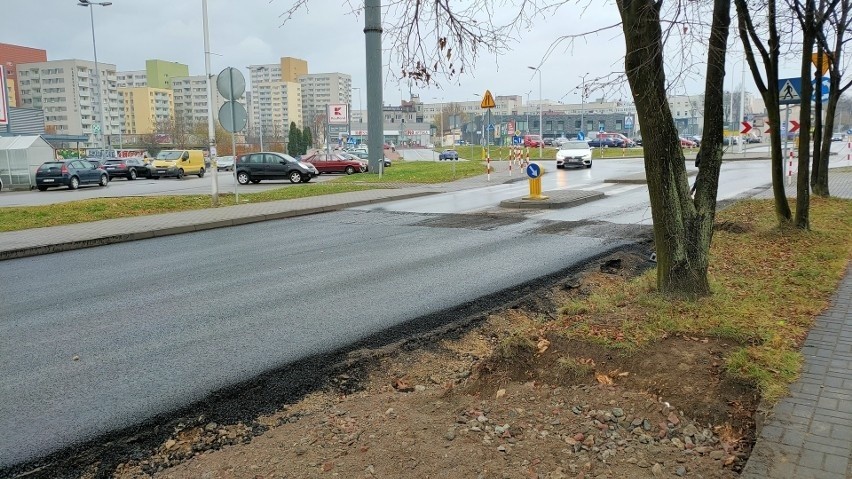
pixel 788 91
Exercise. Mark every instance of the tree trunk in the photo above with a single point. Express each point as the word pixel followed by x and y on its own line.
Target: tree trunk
pixel 683 229
pixel 818 128
pixel 802 218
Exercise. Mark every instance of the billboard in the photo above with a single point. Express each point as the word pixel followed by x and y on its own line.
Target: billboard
pixel 4 99
pixel 338 114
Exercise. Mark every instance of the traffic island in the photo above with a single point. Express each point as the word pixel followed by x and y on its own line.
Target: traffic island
pixel 639 178
pixel 554 200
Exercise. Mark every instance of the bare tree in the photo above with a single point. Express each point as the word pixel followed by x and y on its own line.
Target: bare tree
pixel 752 35
pixel 452 115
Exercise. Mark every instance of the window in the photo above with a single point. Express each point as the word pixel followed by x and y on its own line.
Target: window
pixel 577 124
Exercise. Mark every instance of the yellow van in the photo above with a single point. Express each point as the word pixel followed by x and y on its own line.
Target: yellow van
pixel 178 163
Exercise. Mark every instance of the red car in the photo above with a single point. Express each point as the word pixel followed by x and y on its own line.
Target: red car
pixel 335 163
pixel 685 143
pixel 532 141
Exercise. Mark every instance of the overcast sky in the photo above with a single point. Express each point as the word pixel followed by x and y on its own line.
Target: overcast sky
pixel 247 32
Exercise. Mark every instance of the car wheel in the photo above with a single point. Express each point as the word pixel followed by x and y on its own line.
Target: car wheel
pixel 74 183
pixel 589 165
pixel 243 177
pixel 201 173
pixel 42 188
pixel 132 175
pixel 104 180
pixel 350 170
pixel 306 180
pixel 255 181
pixel 296 177
pixel 180 174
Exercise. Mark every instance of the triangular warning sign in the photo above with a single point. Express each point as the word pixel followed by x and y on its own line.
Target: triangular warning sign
pixel 787 92
pixel 487 100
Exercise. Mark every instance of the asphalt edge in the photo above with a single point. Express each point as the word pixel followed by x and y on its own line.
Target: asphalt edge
pixel 181 229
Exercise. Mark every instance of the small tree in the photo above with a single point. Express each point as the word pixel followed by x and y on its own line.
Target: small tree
pixel 307 141
pixel 294 140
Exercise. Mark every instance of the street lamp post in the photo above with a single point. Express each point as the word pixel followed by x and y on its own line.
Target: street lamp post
pixel 540 118
pixel 528 110
pixel 89 4
pixel 360 108
pixel 583 102
pixel 441 114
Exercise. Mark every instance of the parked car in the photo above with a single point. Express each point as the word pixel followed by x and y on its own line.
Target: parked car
pixel 363 155
pixel 256 167
pixel 687 143
pixel 695 139
pixel 548 142
pixel 560 141
pixel 130 168
pixel 638 141
pixel 1 184
pixel 178 163
pixel 71 173
pixel 336 163
pixel 752 139
pixel 836 137
pixel 605 143
pixel 577 153
pixel 449 154
pixel 225 163
pixel 532 141
pixel 730 140
pixel 99 162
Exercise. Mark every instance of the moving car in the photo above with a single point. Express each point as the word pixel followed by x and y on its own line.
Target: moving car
pixel 130 168
pixel 548 142
pixel 336 163
pixel 836 137
pixel 532 141
pixel 70 173
pixel 178 163
pixel 225 163
pixel 576 153
pixel 752 139
pixel 448 154
pixel 687 143
pixel 256 167
pixel 606 142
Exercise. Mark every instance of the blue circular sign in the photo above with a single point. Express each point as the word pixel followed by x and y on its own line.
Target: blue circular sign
pixel 533 170
pixel 849 132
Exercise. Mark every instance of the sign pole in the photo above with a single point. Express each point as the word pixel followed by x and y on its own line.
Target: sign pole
pixel 234 138
pixel 784 131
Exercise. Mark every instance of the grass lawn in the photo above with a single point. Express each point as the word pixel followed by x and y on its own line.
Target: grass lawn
pixel 768 285
pixel 25 217
pixel 418 172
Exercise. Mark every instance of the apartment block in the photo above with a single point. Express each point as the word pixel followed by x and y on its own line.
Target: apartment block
pixel 274 105
pixel 145 108
pixel 160 72
pixel 190 97
pixel 320 90
pixel 132 79
pixel 67 92
pixel 10 57
pixel 293 68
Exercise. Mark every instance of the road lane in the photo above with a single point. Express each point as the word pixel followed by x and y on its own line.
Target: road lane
pixel 162 322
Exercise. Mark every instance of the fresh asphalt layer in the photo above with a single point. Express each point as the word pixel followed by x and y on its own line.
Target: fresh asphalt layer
pixel 99 339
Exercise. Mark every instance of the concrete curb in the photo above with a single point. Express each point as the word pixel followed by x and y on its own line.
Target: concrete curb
pixel 188 228
pixel 562 199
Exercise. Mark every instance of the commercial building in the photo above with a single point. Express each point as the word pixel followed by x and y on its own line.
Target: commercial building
pixel 10 57
pixel 145 108
pixel 132 79
pixel 160 72
pixel 67 92
pixel 190 97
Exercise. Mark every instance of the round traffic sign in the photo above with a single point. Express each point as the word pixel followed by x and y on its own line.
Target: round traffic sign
pixel 231 83
pixel 533 170
pixel 233 116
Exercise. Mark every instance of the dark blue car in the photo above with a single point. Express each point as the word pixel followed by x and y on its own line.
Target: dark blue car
pixel 70 173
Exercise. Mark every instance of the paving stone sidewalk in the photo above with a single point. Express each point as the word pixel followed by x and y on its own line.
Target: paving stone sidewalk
pixel 808 435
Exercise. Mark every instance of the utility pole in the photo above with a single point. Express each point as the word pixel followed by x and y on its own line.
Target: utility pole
pixel 211 126
pixel 375 119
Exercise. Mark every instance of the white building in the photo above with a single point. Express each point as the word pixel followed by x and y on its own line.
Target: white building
pixel 131 79
pixel 67 92
pixel 274 103
pixel 190 95
pixel 320 90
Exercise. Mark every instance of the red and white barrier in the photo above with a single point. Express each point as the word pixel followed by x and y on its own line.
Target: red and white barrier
pixel 849 152
pixel 790 170
pixel 488 166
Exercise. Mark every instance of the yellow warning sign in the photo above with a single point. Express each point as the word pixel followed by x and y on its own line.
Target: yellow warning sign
pixel 487 100
pixel 826 61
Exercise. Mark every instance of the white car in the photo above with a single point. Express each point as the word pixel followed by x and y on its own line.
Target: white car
pixel 225 163
pixel 575 153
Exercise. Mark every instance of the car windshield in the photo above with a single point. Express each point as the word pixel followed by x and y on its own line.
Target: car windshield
pixel 169 155
pixel 575 145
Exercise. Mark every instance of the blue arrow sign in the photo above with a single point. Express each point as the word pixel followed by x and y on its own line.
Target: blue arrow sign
pixel 517 140
pixel 491 127
pixel 581 136
pixel 789 90
pixel 601 129
pixel 351 140
pixel 533 170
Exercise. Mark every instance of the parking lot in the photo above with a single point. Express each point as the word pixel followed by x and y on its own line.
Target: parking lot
pixel 119 187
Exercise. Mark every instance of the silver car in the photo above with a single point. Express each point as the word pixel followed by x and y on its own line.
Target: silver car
pixel 225 163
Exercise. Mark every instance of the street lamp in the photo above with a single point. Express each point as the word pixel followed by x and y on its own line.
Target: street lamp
pixel 88 3
pixel 441 114
pixel 540 122
pixel 528 110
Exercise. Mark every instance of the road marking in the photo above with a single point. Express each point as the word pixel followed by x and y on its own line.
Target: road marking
pixel 596 187
pixel 624 189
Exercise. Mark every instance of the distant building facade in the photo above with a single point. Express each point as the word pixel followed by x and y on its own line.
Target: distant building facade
pixel 10 57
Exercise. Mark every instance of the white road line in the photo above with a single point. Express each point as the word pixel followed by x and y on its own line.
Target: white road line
pixel 623 189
